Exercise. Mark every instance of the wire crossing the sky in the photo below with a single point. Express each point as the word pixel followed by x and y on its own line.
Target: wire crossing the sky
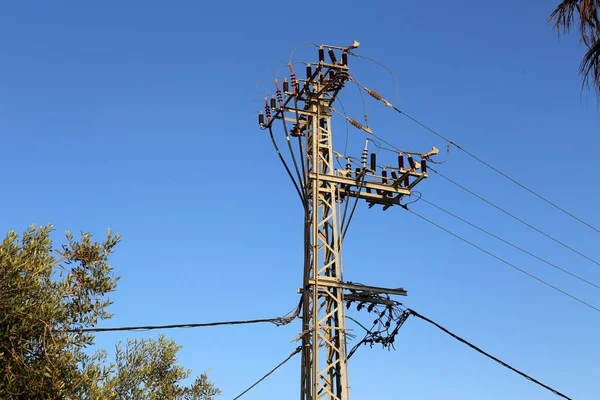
pixel 503 260
pixel 510 243
pixel 277 321
pixel 556 392
pixel 515 217
pixel 539 196
pixel 377 96
pixel 298 349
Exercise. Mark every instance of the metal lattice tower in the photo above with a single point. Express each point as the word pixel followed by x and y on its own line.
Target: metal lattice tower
pixel 323 355
pixel 307 106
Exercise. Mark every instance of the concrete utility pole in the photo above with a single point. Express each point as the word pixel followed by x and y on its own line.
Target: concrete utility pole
pixel 305 108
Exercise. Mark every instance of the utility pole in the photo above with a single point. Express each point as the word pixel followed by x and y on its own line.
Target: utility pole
pixel 305 107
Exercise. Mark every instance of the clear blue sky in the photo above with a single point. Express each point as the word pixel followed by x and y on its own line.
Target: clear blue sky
pixel 140 116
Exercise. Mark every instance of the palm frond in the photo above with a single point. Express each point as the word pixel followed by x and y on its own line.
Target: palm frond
pixel 588 21
pixel 590 66
pixel 585 14
pixel 564 15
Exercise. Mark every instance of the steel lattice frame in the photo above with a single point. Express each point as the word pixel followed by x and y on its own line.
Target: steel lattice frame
pixel 308 106
pixel 324 340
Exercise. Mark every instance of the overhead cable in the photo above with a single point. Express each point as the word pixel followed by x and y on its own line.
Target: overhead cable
pixel 287 169
pixel 279 321
pixel 503 260
pixel 289 144
pixel 344 227
pixel 504 364
pixel 276 321
pixel 515 217
pixel 508 243
pixel 298 349
pixel 377 96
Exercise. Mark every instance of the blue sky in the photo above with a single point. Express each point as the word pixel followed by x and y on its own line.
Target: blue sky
pixel 141 117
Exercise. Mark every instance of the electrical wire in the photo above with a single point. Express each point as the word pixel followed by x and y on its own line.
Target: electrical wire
pixel 364 104
pixel 504 364
pixel 388 69
pixel 503 260
pixel 368 130
pixel 415 200
pixel 398 314
pixel 284 65
pixel 509 243
pixel 388 104
pixel 343 219
pixel 298 349
pixel 300 148
pixel 344 229
pixel 302 198
pixel 362 341
pixel 279 321
pixel 347 127
pixel 379 146
pixel 539 196
pixel 276 321
pixel 515 217
pixel 289 144
pixel 299 46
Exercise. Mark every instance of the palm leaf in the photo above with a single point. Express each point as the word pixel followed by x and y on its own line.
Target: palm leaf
pixel 584 13
pixel 564 15
pixel 590 66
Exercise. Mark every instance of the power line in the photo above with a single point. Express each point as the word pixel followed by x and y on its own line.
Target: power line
pixel 510 243
pixel 377 96
pixel 539 196
pixel 277 321
pixel 503 260
pixel 298 349
pixel 516 218
pixel 504 364
pixel 343 228
pixel 289 144
pixel 287 169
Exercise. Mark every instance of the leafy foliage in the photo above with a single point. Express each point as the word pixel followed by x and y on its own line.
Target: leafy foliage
pixel 146 369
pixel 46 296
pixel 585 14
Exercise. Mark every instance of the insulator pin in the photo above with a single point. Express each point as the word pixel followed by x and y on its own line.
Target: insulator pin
pixel 345 59
pixel 424 166
pixel 321 55
pixel 355 123
pixel 332 56
pixel 374 94
pixel 373 162
pixel 273 103
pixel 293 79
pixel 286 85
pixel 400 161
pixel 308 72
pixel 411 162
pixel 261 119
pixel 279 96
pixel 267 111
